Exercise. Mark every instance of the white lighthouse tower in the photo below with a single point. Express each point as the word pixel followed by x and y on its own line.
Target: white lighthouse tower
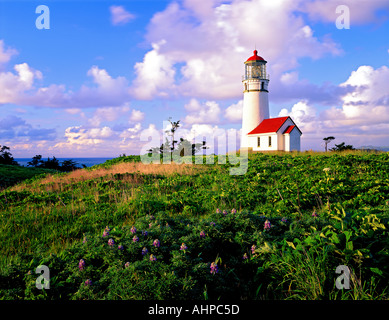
pixel 255 96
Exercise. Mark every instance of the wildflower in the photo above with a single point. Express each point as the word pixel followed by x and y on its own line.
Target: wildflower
pixel 150 225
pixel 253 247
pixel 233 210
pixel 167 225
pixel 267 225
pixel 105 233
pixel 214 268
pixel 314 214
pixel 126 265
pixel 120 247
pixel 183 247
pixel 111 242
pixel 85 240
pixel 144 233
pixel 156 243
pixel 81 265
pixel 202 234
pixel 326 169
pixel 224 212
pixel 135 239
pixel 88 282
pixel 144 251
pixel 245 256
pixel 133 230
pixel 283 219
pixel 217 210
pixel 212 224
pixel 152 258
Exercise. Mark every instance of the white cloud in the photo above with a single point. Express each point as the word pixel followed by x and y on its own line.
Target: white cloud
pixel 205 46
pixel 154 75
pixel 209 112
pixel 234 112
pixel 136 115
pixel 6 54
pixel 303 115
pixel 119 15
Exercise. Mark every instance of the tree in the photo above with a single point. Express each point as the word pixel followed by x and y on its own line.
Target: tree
pixel 342 146
pixel 327 141
pixel 68 165
pixel 36 161
pixel 6 156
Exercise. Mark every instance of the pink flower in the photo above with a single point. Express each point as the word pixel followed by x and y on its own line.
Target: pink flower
pixel 314 214
pixel 156 243
pixel 81 264
pixel 214 268
pixel 88 282
pixel 152 258
pixel 133 230
pixel 202 234
pixel 245 256
pixel 253 247
pixel 135 239
pixel 217 210
pixel 267 225
pixel 233 210
pixel 183 247
pixel 111 242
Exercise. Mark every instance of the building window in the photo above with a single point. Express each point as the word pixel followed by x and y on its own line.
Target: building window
pixel 269 141
pixel 259 141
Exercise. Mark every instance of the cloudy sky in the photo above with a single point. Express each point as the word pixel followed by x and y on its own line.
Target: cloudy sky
pixel 106 71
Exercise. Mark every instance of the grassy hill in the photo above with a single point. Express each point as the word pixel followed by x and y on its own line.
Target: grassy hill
pixel 11 174
pixel 126 230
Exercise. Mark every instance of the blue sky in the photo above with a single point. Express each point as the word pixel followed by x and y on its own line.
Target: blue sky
pixel 106 71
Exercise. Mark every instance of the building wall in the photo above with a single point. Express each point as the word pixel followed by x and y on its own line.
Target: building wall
pixel 253 141
pixel 295 140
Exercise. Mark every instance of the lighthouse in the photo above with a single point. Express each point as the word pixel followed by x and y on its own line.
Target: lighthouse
pixel 259 132
pixel 255 96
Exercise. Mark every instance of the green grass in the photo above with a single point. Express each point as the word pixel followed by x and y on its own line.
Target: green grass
pixel 11 175
pixel 45 221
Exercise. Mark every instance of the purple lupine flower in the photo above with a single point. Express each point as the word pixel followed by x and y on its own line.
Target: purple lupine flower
pixel 156 243
pixel 120 247
pixel 202 234
pixel 88 282
pixel 111 242
pixel 245 256
pixel 233 210
pixel 284 219
pixel 183 247
pixel 214 268
pixel 144 233
pixel 212 224
pixel 105 233
pixel 81 264
pixel 253 247
pixel 144 251
pixel 267 225
pixel 224 212
pixel 152 258
pixel 314 214
pixel 126 265
pixel 218 210
pixel 133 230
pixel 135 239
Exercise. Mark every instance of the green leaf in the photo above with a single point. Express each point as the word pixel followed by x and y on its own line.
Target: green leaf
pixel 377 271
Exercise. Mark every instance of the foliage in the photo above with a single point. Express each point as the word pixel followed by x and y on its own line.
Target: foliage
pixel 277 232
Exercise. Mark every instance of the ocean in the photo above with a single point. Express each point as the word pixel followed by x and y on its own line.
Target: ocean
pixel 89 162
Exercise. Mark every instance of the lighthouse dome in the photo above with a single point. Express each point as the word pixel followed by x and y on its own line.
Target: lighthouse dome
pixel 255 57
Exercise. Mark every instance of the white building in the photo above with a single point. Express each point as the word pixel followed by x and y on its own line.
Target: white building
pixel 259 132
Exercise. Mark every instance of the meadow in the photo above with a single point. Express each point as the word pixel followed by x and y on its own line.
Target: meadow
pixel 127 230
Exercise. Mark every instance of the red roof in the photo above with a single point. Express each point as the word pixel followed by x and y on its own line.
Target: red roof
pixel 289 129
pixel 269 125
pixel 255 57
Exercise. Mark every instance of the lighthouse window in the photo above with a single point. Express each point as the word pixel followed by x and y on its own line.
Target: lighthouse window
pixel 269 141
pixel 262 85
pixel 259 141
